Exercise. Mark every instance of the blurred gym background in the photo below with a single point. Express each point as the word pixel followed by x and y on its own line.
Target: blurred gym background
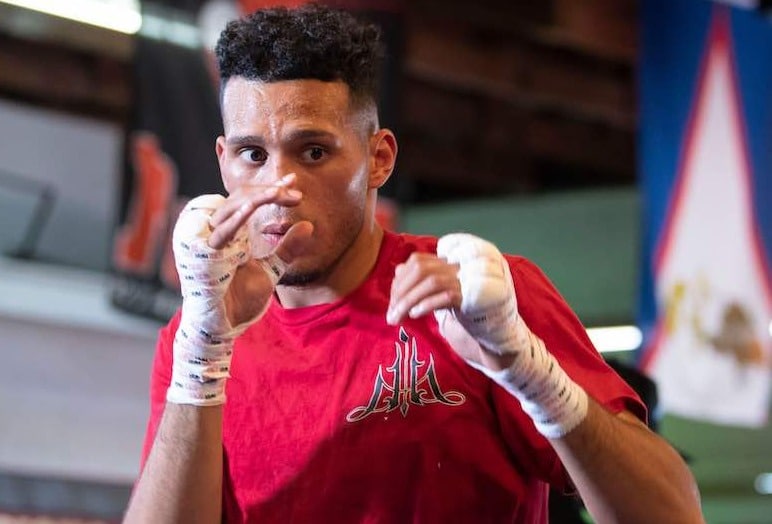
pixel 623 145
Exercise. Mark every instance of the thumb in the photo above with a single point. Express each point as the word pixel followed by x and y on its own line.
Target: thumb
pixel 465 344
pixel 455 334
pixel 292 245
pixel 294 242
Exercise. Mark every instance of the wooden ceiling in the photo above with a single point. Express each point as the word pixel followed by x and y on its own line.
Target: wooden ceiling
pixel 496 96
pixel 519 97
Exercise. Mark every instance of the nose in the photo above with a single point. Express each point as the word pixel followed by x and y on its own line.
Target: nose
pixel 275 170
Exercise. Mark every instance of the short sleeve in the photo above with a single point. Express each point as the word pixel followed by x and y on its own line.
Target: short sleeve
pixel 160 378
pixel 549 317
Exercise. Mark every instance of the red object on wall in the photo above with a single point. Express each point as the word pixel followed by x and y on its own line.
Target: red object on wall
pixel 387 213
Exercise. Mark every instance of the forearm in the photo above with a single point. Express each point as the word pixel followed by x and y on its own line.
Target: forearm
pixel 182 478
pixel 625 473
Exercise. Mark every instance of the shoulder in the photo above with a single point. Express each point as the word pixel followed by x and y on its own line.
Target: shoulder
pixel 529 277
pixel 523 265
pixel 404 244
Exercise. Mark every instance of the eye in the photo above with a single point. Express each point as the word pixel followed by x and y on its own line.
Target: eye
pixel 314 154
pixel 254 155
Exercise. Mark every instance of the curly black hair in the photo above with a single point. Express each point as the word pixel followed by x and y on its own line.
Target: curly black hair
pixel 310 42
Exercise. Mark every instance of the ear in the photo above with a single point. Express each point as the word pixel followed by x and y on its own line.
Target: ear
pixel 383 156
pixel 219 148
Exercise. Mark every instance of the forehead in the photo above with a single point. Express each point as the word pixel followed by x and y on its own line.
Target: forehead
pixel 249 103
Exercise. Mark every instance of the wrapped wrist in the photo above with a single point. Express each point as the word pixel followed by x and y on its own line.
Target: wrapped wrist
pixel 201 364
pixel 555 403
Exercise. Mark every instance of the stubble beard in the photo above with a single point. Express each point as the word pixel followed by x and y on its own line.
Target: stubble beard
pixel 298 279
pixel 314 275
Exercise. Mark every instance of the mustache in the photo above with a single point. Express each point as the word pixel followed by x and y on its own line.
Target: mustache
pixel 276 221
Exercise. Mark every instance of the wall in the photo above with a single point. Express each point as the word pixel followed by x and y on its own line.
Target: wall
pixel 77 160
pixel 586 242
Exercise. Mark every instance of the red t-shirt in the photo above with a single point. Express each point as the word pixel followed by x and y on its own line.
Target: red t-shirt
pixel 335 416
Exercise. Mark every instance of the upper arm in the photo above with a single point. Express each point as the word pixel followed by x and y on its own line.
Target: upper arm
pixel 630 418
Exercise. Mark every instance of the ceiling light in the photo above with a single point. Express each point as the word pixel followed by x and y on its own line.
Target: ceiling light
pixel 616 338
pixel 763 484
pixel 117 15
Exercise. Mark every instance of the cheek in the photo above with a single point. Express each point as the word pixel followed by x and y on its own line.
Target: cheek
pixel 356 189
pixel 234 175
pixel 228 175
pixel 344 202
pixel 339 192
pixel 341 205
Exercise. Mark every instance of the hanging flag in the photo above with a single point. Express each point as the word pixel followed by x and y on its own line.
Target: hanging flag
pixel 706 302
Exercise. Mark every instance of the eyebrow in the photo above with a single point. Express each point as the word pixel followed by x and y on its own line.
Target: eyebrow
pixel 310 134
pixel 294 136
pixel 245 140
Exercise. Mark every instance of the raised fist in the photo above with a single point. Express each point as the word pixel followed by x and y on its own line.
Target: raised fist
pixel 488 309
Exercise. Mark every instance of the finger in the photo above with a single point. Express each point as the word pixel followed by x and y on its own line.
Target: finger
pixel 256 196
pixel 446 299
pixel 226 230
pixel 408 274
pixel 231 218
pixel 291 246
pixel 437 289
pixel 193 222
pixel 432 283
pixel 295 241
pixel 236 201
pixel 458 338
pixel 256 193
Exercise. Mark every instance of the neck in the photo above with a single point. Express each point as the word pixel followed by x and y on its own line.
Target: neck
pixel 346 275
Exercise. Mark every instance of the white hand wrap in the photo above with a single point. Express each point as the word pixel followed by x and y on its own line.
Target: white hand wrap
pixel 489 313
pixel 203 343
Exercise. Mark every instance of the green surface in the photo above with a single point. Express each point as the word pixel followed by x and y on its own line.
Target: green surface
pixel 586 242
pixel 726 460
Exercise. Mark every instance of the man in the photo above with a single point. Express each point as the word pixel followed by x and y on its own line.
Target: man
pixel 370 377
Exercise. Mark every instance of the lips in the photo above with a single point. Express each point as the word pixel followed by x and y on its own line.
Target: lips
pixel 276 229
pixel 273 233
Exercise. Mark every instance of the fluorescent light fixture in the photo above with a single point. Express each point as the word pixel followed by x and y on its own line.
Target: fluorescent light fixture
pixel 745 4
pixel 116 15
pixel 175 31
pixel 615 338
pixel 770 328
pixel 763 484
